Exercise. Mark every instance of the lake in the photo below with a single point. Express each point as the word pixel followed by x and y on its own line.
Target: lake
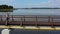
pixel 34 12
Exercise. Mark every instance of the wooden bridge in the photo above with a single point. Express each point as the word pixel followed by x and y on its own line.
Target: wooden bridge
pixel 17 21
pixel 31 20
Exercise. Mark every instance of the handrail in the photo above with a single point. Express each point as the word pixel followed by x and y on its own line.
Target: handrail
pixel 30 17
pixel 37 19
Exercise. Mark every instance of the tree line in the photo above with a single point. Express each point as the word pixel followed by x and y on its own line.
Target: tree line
pixel 6 7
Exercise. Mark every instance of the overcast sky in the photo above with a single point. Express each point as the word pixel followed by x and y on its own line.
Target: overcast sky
pixel 31 3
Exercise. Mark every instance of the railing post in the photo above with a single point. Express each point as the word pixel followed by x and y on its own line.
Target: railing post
pixel 24 18
pixel 49 20
pixel 36 21
pixel 21 22
pixel 1 18
pixel 12 18
pixel 52 24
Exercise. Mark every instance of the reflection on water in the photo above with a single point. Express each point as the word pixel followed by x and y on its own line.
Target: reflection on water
pixel 5 11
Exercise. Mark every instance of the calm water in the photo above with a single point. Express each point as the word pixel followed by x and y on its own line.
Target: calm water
pixel 34 12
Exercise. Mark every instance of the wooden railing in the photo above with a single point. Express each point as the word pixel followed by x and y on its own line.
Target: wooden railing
pixel 31 20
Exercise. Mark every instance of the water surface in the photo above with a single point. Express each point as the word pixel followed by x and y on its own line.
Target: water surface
pixel 34 12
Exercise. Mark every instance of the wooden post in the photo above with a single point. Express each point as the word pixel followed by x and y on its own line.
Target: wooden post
pixel 49 20
pixel 1 18
pixel 21 22
pixel 36 21
pixel 24 18
pixel 12 18
pixel 52 24
pixel 6 19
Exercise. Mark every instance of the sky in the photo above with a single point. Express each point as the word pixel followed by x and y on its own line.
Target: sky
pixel 31 3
